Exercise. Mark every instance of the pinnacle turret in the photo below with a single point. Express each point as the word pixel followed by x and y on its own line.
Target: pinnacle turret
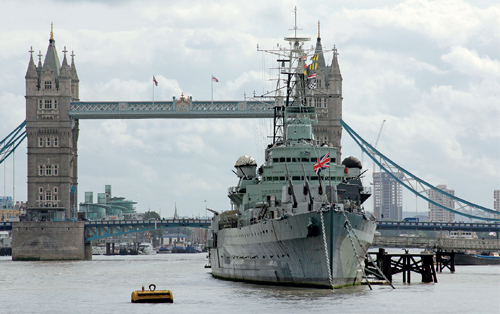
pixel 335 68
pixel 51 61
pixel 319 51
pixel 65 69
pixel 74 75
pixel 31 73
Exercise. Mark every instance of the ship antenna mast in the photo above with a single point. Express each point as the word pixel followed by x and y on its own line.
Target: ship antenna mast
pixel 295 28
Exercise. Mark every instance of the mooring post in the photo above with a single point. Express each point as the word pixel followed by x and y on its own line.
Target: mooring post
pixel 408 267
pixel 428 271
pixel 387 264
pixel 452 261
pixel 439 260
pixel 380 258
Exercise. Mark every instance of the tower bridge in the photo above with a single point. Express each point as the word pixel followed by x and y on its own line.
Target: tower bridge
pixel 53 112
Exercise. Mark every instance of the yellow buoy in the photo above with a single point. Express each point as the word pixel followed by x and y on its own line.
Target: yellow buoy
pixel 152 296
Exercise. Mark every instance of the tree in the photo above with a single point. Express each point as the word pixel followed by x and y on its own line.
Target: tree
pixel 151 214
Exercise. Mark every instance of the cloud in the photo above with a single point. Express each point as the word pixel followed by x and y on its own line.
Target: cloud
pixel 469 62
pixel 449 22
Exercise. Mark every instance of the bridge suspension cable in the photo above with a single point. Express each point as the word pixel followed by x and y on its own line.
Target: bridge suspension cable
pixel 418 186
pixel 9 144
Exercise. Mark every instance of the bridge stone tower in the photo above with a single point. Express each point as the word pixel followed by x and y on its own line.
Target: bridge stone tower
pixel 326 96
pixel 52 136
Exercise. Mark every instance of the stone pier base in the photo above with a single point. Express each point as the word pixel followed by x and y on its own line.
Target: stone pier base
pixel 49 241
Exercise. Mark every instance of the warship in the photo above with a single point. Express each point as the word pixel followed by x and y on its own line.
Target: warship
pixel 298 219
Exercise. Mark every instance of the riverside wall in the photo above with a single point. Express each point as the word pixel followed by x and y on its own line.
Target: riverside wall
pixel 49 241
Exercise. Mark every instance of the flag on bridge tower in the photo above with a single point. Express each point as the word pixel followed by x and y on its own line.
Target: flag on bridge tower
pixel 155 83
pixel 212 86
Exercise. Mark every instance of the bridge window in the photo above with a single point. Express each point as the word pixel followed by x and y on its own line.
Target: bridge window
pixel 282 159
pixel 294 159
pixel 319 83
pixel 40 190
pixel 48 84
pixel 40 141
pixel 317 102
pixel 56 190
pixel 288 159
pixel 55 141
pixel 55 103
pixel 40 172
pixel 40 104
pixel 305 159
pixel 48 170
pixel 275 159
pixel 55 169
pixel 47 141
pixel 48 195
pixel 48 103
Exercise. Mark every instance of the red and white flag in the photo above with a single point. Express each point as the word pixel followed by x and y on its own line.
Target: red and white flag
pixel 154 80
pixel 215 79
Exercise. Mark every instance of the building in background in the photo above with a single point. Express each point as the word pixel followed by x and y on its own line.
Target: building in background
pixel 437 213
pixel 387 196
pixel 6 202
pixel 10 211
pixel 496 203
pixel 107 206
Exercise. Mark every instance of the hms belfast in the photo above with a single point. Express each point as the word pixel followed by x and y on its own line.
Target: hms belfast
pixel 297 219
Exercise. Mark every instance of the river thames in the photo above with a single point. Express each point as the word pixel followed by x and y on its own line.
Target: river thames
pixel 104 285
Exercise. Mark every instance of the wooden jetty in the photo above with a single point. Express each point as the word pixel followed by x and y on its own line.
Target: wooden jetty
pixel 391 264
pixel 445 260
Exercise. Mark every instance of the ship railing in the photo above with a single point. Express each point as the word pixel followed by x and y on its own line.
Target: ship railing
pixel 228 224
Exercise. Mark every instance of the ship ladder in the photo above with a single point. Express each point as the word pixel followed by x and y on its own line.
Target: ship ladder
pixel 326 248
pixel 350 230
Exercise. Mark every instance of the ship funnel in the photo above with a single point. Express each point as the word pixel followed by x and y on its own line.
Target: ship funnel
pixel 246 167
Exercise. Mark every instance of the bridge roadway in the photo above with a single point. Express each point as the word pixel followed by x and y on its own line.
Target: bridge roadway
pixel 447 244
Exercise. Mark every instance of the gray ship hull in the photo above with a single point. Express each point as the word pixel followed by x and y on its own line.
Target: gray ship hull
pixel 286 252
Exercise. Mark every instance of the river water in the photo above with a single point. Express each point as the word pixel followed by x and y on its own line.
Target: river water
pixel 104 285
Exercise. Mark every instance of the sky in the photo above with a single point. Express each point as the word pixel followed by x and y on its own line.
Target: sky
pixel 430 69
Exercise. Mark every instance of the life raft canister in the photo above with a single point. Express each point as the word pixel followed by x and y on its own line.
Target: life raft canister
pixel 152 296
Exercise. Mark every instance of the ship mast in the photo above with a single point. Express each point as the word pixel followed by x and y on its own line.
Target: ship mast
pixel 296 88
pixel 294 72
